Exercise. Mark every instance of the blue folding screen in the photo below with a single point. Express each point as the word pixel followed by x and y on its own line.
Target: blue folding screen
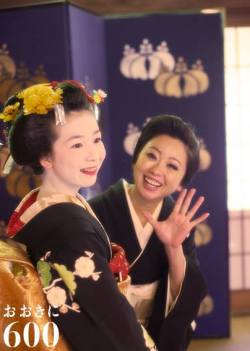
pixel 150 65
pixel 46 43
pixel 173 63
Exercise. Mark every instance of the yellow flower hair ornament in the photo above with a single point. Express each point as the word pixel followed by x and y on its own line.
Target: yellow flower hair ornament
pixel 98 96
pixel 10 112
pixel 40 98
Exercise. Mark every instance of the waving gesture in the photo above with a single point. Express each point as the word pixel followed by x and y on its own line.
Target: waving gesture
pixel 173 231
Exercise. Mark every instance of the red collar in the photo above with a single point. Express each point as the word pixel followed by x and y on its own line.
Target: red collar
pixel 15 224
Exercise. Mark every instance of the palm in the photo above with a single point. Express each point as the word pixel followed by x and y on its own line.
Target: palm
pixel 173 230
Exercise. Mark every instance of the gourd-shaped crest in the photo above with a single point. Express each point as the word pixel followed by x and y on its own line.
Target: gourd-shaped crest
pixel 203 234
pixel 197 71
pixel 133 134
pixel 20 181
pixel 7 64
pixel 205 157
pixel 182 82
pixel 147 63
pixel 13 79
pixel 130 140
pixel 23 79
pixel 206 306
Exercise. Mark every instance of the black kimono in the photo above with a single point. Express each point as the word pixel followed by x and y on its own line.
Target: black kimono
pixel 173 331
pixel 71 251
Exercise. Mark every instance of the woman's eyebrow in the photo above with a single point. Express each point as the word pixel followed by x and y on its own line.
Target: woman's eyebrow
pixel 160 152
pixel 74 137
pixel 155 148
pixel 80 136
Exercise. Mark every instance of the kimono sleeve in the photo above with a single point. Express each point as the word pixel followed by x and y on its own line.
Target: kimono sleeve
pixel 92 311
pixel 174 331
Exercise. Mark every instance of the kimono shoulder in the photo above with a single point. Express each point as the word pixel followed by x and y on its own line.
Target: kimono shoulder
pixel 113 200
pixel 62 222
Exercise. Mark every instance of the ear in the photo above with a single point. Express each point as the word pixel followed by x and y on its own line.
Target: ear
pixel 46 162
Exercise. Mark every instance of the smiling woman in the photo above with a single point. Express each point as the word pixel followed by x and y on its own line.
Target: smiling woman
pixel 156 233
pixel 53 129
pixel 158 170
pixel 77 155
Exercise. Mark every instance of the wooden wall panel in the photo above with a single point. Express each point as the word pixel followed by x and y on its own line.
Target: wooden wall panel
pixel 237 11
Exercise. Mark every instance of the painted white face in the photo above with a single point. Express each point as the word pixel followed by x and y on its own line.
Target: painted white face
pixel 77 153
pixel 160 168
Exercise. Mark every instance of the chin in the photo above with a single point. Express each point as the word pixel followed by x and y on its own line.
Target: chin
pixel 89 183
pixel 148 196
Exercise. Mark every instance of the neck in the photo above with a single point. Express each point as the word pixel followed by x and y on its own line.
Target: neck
pixel 49 188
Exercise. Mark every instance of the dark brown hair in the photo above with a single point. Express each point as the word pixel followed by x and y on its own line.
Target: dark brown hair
pixel 31 137
pixel 175 127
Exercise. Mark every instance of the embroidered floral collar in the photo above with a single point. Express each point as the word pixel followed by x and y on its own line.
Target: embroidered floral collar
pixel 29 207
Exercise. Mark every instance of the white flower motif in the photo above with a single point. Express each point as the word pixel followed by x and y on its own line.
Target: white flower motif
pixel 63 309
pixel 101 93
pixel 84 266
pixel 96 276
pixel 56 296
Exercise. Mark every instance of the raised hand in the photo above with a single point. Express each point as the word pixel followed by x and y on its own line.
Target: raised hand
pixel 173 230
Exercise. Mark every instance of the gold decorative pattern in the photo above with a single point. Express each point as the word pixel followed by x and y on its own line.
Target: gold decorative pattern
pixel 13 79
pixel 203 234
pixel 206 306
pixel 20 181
pixel 182 82
pixel 172 78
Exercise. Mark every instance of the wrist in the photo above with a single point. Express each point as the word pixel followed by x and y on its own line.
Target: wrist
pixel 173 251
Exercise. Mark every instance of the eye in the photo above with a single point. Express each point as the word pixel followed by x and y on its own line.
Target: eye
pixel 76 146
pixel 98 140
pixel 151 156
pixel 172 166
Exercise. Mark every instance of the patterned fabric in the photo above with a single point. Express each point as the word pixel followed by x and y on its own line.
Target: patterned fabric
pixel 21 295
pixel 71 251
pixel 119 264
pixel 30 207
pixel 63 297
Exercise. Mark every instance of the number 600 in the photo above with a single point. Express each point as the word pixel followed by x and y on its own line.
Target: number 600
pixel 26 332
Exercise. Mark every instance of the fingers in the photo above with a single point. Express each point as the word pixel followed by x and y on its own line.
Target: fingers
pixel 187 201
pixel 195 207
pixel 180 200
pixel 200 219
pixel 183 201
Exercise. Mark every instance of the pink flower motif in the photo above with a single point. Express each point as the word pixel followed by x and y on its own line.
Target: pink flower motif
pixel 56 296
pixel 63 309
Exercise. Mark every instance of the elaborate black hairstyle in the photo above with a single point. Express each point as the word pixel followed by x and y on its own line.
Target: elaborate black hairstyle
pixel 32 134
pixel 175 127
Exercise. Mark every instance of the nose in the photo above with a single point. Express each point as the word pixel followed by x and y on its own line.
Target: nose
pixel 157 169
pixel 92 155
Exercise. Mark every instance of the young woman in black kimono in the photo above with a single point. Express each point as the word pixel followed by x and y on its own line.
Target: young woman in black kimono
pixel 53 130
pixel 157 233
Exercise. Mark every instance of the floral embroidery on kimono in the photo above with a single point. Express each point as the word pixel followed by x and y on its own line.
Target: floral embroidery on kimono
pixel 57 296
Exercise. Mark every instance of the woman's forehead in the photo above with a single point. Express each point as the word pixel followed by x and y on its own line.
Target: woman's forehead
pixel 164 140
pixel 78 124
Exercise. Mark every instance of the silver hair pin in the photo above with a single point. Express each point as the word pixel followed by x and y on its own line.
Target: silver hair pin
pixel 96 111
pixel 9 164
pixel 59 114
